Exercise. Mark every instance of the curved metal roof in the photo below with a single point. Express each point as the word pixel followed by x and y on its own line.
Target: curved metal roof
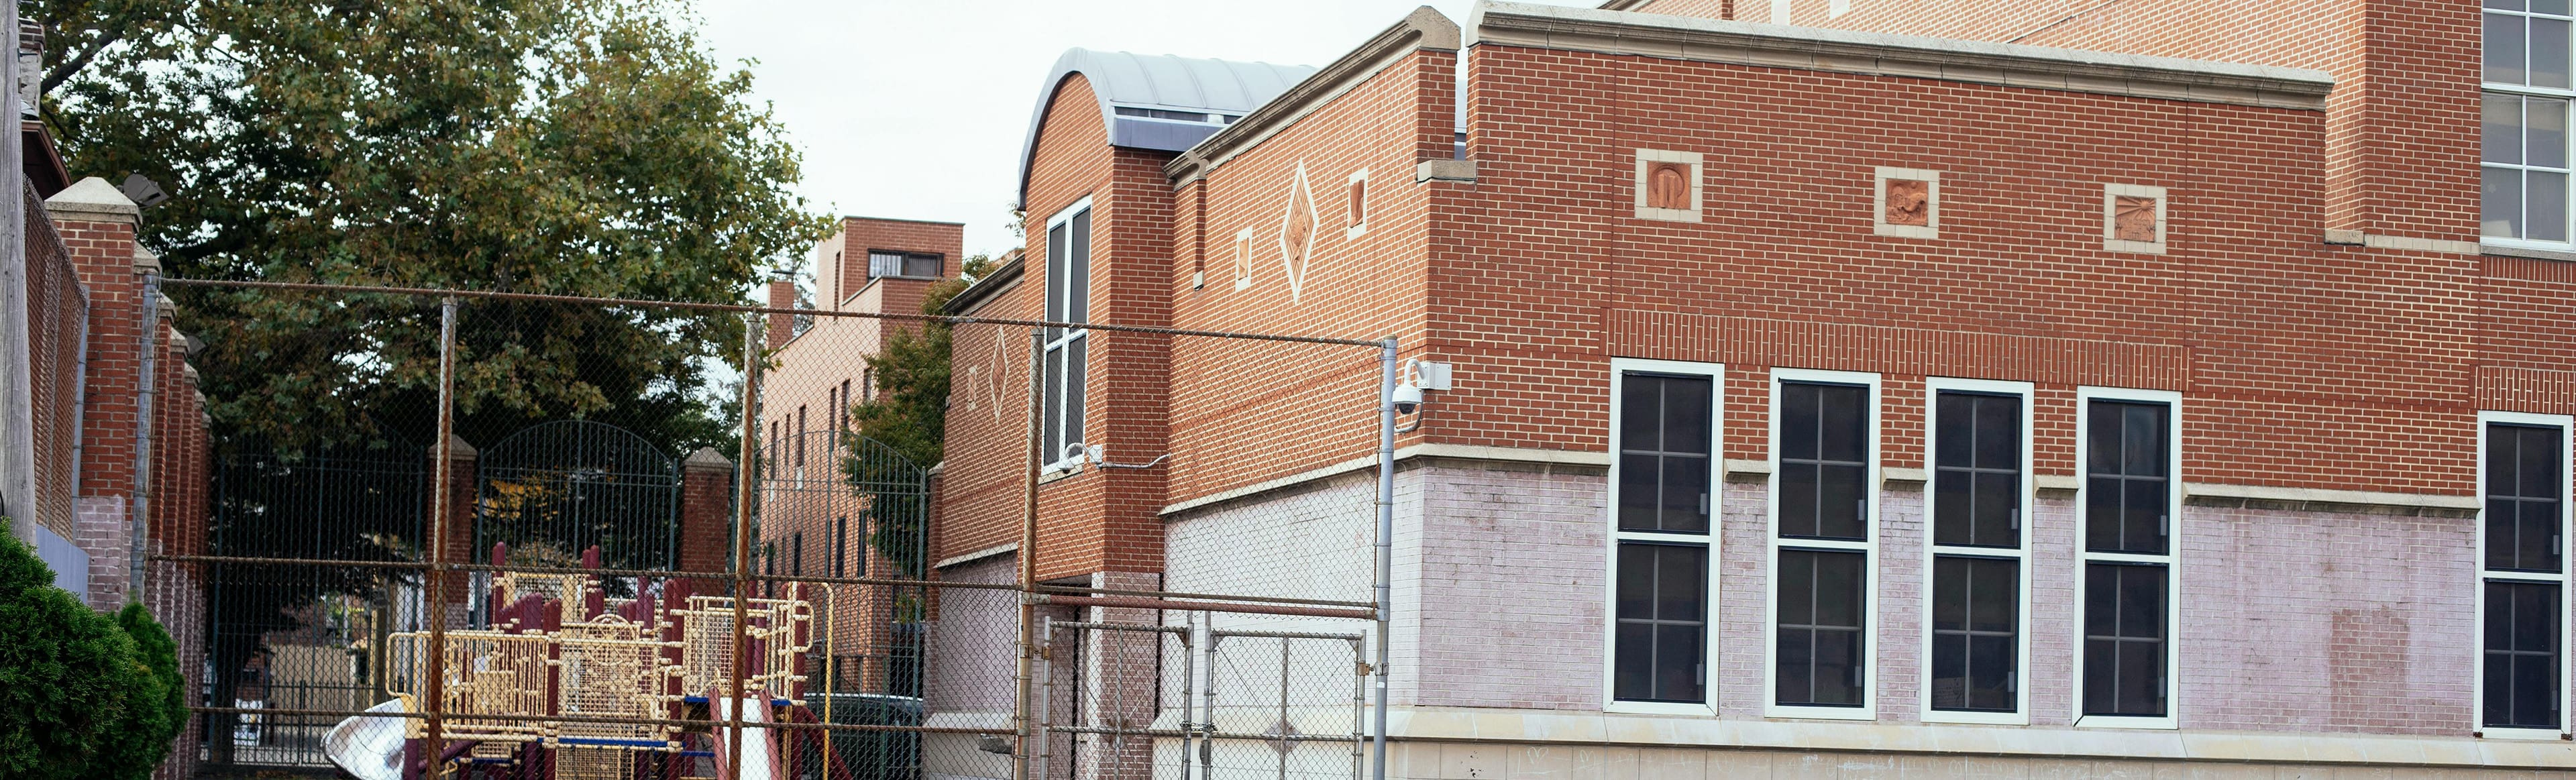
pixel 1160 92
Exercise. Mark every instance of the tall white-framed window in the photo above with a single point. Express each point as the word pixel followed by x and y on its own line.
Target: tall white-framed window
pixel 2524 156
pixel 1976 639
pixel 1661 594
pixel 2523 668
pixel 1068 299
pixel 2130 518
pixel 1824 545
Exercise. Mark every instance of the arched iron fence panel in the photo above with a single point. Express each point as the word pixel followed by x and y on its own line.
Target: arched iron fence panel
pixel 558 488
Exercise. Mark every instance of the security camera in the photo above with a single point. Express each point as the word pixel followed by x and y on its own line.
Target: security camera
pixel 1407 397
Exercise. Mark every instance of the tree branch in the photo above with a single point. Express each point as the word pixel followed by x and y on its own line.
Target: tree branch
pixel 55 77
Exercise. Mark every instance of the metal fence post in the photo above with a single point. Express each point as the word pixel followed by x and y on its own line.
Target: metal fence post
pixel 142 501
pixel 436 686
pixel 1026 716
pixel 743 496
pixel 1385 540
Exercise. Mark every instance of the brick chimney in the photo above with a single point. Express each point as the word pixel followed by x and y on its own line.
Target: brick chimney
pixel 782 295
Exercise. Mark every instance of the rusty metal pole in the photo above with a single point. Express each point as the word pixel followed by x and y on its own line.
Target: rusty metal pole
pixel 436 689
pixel 1026 717
pixel 742 499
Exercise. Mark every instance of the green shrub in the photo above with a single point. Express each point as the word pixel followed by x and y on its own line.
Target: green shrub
pixel 79 697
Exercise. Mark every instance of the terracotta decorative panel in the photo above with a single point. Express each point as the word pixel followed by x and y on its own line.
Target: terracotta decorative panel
pixel 2134 219
pixel 1667 185
pixel 1909 202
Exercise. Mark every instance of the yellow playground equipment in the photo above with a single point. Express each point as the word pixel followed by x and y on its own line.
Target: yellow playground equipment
pixel 565 683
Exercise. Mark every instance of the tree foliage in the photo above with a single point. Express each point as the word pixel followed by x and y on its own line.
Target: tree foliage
pixel 82 695
pixel 580 147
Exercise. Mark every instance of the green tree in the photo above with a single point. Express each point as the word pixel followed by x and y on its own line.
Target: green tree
pixel 579 147
pixel 908 415
pixel 571 147
pixel 69 679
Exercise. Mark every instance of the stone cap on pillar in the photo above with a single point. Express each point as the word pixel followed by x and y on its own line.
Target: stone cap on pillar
pixel 145 262
pixel 708 459
pixel 457 449
pixel 92 200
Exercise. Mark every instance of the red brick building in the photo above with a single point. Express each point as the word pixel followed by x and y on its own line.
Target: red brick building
pixel 2086 389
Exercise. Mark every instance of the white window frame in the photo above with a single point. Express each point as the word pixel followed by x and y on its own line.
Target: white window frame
pixel 1066 340
pixel 1360 228
pixel 2525 90
pixel 1243 259
pixel 1867 547
pixel 1716 372
pixel 2172 559
pixel 1933 387
pixel 2566 426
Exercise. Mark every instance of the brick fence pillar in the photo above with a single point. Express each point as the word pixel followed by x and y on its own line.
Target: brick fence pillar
pixel 706 511
pixel 460 489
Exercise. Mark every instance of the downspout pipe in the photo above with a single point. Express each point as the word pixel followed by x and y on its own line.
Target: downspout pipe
pixel 153 330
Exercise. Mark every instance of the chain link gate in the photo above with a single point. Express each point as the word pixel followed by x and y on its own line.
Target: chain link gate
pixel 1137 701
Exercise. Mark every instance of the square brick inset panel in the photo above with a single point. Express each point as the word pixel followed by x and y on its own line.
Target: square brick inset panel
pixel 2133 218
pixel 1909 202
pixel 1668 185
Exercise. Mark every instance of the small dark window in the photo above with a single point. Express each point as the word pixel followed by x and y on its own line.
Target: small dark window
pixel 1818 660
pixel 1664 454
pixel 2522 649
pixel 1824 461
pixel 840 545
pixel 2124 639
pixel 2525 485
pixel 888 263
pixel 799 443
pixel 1976 480
pixel 1976 629
pixel 796 554
pixel 2128 493
pixel 1662 623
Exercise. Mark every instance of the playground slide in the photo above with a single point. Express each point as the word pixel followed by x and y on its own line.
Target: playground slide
pixel 759 752
pixel 368 747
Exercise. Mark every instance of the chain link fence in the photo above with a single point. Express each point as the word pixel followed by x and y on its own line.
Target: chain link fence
pixel 476 535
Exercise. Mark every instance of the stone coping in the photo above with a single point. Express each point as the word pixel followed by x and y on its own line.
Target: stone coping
pixel 1883 54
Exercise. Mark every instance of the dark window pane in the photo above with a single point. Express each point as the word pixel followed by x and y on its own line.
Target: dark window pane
pixel 1078 279
pixel 1798 415
pixel 1641 413
pixel 1955 430
pixel 1054 398
pixel 1819 659
pixel 2102 445
pixel 1951 493
pixel 1999 432
pixel 2541 477
pixel 1075 366
pixel 1677 663
pixel 1636 598
pixel 2124 639
pixel 1685 494
pixel 2142 444
pixel 1055 267
pixel 1634 662
pixel 1998 507
pixel 2143 516
pixel 921 265
pixel 2102 513
pixel 1638 478
pixel 1797 499
pixel 1839 502
pixel 1975 655
pixel 2549 53
pixel 1844 432
pixel 1687 409
pixel 1661 623
pixel 2524 495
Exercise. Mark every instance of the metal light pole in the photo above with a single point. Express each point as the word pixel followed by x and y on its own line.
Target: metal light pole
pixel 1385 539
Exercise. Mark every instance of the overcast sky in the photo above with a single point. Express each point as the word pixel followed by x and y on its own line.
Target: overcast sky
pixel 916 108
